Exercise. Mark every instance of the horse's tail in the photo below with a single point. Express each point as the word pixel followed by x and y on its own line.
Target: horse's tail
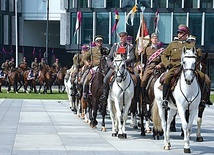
pixel 156 118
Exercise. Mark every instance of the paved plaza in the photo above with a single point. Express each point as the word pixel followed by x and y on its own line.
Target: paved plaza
pixel 48 127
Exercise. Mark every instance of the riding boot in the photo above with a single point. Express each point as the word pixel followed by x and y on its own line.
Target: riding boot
pixel 85 91
pixel 104 96
pixel 165 91
pixel 143 91
pixel 137 90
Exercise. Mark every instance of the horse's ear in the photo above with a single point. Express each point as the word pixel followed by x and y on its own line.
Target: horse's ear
pixel 194 50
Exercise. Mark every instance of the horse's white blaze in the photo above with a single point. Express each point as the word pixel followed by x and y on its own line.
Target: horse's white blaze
pixel 187 95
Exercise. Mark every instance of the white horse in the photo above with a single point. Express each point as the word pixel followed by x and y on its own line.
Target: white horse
pixel 68 86
pixel 187 95
pixel 120 97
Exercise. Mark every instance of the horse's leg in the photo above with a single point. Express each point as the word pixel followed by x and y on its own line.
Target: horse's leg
pixel 104 106
pixel 133 110
pixel 125 116
pixel 112 111
pixel 95 109
pixel 118 108
pixel 199 138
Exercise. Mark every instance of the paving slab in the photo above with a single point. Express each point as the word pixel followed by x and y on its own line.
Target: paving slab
pixel 48 127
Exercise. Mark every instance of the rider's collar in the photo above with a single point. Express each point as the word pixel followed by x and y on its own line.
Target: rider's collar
pixel 154 46
pixel 123 44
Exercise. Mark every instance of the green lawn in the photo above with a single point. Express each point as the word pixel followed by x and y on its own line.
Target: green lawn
pixel 32 95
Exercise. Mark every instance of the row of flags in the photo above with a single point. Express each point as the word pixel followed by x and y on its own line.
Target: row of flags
pixel 34 53
pixel 130 16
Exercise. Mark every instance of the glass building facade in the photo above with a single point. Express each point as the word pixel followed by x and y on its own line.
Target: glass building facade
pixel 98 18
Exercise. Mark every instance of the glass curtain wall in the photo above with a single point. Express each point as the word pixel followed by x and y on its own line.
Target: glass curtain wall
pixel 209 31
pixel 190 3
pixel 164 28
pixel 178 18
pixel 102 26
pixel 175 3
pixel 159 3
pixel 195 26
pixel 206 3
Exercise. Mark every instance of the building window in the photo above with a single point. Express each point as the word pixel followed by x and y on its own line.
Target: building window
pixel 178 18
pixel 175 3
pixel 164 28
pixel 159 3
pixel 102 26
pixel 206 3
pixel 127 3
pixel 195 25
pixel 82 3
pixel 190 4
pixel 87 26
pixel 98 3
pixel 209 31
pixel 112 4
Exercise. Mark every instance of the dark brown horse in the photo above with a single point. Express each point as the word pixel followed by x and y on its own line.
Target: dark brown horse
pixel 147 103
pixel 60 79
pixel 96 90
pixel 3 81
pixel 41 77
pixel 50 77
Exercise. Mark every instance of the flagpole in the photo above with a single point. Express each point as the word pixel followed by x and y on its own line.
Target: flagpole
pixel 16 27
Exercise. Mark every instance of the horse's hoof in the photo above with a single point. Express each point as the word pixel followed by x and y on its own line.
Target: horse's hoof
pixel 125 135
pixel 135 127
pixel 114 134
pixel 187 150
pixel 120 136
pixel 143 134
pixel 166 147
pixel 103 129
pixel 199 139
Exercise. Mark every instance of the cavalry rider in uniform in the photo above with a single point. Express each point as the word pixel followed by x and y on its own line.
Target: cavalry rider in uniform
pixel 11 64
pixel 5 68
pixel 92 59
pixel 152 60
pixel 127 51
pixel 34 66
pixel 171 59
pixel 56 65
pixel 24 63
pixel 42 63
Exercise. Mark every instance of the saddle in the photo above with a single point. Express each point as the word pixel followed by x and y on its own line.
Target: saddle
pixel 174 80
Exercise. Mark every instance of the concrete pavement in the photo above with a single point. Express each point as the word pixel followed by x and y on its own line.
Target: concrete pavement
pixel 48 127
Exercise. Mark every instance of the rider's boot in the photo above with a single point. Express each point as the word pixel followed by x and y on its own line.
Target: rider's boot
pixel 165 91
pixel 104 96
pixel 143 90
pixel 137 90
pixel 85 91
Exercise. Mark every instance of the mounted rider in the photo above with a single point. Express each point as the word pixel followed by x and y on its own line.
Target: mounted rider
pixel 12 64
pixel 171 58
pixel 4 68
pixel 42 63
pixel 127 51
pixel 152 61
pixel 56 65
pixel 92 59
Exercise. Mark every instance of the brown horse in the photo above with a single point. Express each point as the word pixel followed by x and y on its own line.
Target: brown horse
pixel 41 77
pixel 147 103
pixel 96 90
pixel 60 79
pixel 15 77
pixel 3 81
pixel 50 77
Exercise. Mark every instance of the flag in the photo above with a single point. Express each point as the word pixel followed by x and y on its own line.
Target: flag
pixel 34 51
pixel 4 51
pixel 142 37
pixel 116 21
pixel 78 21
pixel 40 53
pixel 131 15
pixel 156 20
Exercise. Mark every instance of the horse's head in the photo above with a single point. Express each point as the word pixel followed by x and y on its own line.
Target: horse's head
pixel 119 68
pixel 188 62
pixel 103 66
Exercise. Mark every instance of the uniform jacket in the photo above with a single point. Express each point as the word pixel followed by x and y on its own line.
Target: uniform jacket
pixel 129 55
pixel 172 54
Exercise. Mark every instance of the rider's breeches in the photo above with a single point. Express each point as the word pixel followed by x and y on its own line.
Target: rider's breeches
pixel 84 76
pixel 87 79
pixel 169 76
pixel 108 75
pixel 145 78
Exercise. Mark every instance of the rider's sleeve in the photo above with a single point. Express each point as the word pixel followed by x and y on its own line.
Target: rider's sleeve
pixel 165 56
pixel 111 55
pixel 131 56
